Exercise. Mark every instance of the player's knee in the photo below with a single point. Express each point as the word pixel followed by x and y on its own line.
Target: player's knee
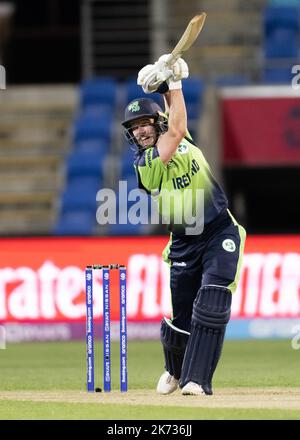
pixel 212 307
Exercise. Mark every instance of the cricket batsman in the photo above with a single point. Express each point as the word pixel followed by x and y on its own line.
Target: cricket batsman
pixel 204 260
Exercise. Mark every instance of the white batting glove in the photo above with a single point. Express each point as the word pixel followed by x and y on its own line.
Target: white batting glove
pixel 147 78
pixel 179 69
pixel 152 76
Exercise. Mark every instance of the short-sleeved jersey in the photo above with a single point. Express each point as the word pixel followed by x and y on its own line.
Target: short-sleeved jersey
pixel 184 188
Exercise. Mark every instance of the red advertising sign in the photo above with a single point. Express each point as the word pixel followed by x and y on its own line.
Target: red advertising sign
pixel 270 278
pixel 42 280
pixel 259 128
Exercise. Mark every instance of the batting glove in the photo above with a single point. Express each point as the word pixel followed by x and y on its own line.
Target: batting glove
pixel 179 69
pixel 174 74
pixel 147 78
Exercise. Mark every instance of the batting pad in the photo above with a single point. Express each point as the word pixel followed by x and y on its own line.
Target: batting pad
pixel 211 313
pixel 174 341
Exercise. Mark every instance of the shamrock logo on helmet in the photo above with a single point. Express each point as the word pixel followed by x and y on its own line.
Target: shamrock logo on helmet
pixel 134 106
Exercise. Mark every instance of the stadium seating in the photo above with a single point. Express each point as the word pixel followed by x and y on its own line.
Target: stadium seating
pixel 277 76
pixel 92 146
pixel 81 163
pixel 284 2
pixel 91 139
pixel 126 163
pixel 281 42
pixel 87 127
pixel 98 91
pixel 281 31
pixel 232 80
pixel 75 223
pixel 77 210
pixel 96 111
pixel 80 194
pixel 193 89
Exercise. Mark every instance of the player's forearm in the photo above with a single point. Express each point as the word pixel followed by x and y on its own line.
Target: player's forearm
pixel 168 143
pixel 166 97
pixel 177 122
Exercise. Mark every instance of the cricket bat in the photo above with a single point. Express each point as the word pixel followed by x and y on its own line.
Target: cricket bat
pixel 189 36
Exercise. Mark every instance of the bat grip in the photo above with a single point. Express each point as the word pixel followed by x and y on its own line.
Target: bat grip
pixel 172 59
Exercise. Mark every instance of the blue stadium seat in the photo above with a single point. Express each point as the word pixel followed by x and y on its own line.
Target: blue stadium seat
pixel 232 80
pixel 282 43
pixel 80 194
pixel 127 160
pixel 131 182
pixel 281 17
pixel 86 182
pixel 84 164
pixel 78 199
pixel 277 76
pixel 91 146
pixel 285 2
pixel 98 91
pixel 75 223
pixel 193 89
pixel 92 127
pixel 95 111
pixel 281 31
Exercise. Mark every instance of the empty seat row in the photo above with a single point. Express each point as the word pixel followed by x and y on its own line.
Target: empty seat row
pixel 281 46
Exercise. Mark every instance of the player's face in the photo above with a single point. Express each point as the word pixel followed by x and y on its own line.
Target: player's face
pixel 144 132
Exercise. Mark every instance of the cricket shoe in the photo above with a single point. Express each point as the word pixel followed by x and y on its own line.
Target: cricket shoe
pixel 192 389
pixel 167 384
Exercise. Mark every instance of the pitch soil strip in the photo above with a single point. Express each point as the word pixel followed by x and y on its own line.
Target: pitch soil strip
pixel 269 398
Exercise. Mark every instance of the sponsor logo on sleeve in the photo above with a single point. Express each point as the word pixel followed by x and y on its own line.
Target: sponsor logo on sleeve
pixel 149 158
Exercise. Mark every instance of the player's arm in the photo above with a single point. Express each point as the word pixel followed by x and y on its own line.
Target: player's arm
pixel 166 97
pixel 177 125
pixel 151 78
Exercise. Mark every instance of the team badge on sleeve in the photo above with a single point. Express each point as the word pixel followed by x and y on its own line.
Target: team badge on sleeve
pixel 229 245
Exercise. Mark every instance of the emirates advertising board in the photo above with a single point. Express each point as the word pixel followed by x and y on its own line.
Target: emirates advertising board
pixel 42 287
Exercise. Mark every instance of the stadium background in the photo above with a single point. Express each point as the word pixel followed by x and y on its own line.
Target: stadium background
pixel 70 70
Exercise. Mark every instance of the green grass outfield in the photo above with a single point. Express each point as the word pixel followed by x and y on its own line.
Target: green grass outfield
pixel 254 380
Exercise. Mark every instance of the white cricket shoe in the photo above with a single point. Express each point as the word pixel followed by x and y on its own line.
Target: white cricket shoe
pixel 192 389
pixel 167 384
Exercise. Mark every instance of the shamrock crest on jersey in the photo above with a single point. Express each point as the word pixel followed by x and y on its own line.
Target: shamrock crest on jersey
pixel 182 149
